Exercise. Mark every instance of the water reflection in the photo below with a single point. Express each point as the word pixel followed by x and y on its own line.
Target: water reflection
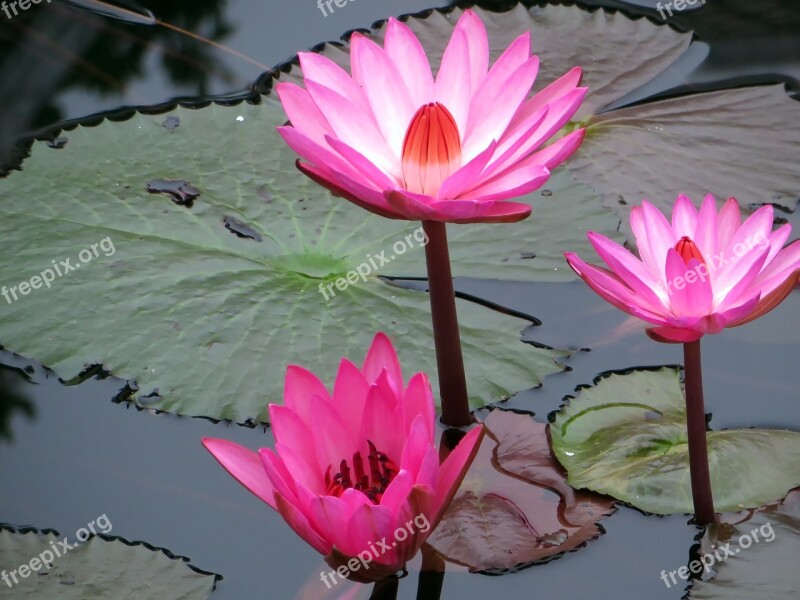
pixel 13 399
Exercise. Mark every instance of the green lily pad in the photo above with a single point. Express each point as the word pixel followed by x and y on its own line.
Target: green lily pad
pixel 514 507
pixel 204 292
pixel 626 437
pixel 757 555
pixel 103 568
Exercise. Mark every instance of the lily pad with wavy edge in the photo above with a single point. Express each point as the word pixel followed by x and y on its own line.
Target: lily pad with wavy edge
pixel 514 508
pixel 103 568
pixel 759 559
pixel 737 142
pixel 205 318
pixel 626 437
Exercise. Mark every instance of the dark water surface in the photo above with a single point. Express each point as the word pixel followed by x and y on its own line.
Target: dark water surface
pixel 80 455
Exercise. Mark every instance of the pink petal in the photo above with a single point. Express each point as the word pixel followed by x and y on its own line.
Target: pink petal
pixel 366 527
pixel 782 267
pixel 357 193
pixel 673 335
pixel 416 447
pixel 684 218
pixel 384 87
pixel 409 57
pixel 299 386
pixel 643 244
pixel 631 271
pixel 659 234
pixel 453 470
pixel 355 127
pixel 452 88
pixel 315 153
pixel 301 526
pixel 397 491
pixel 522 179
pixel 323 71
pixel 728 222
pixel 706 234
pixel 738 314
pixel 501 94
pixel 379 422
pixel 333 439
pixel 756 226
pixel 776 240
pixel 362 168
pixel 770 301
pixel 692 299
pixel 279 475
pixel 559 88
pixel 735 278
pixel 382 355
pixel 329 516
pixel 244 465
pixel 554 154
pixel 292 431
pixel 350 392
pixel 478 43
pixel 303 113
pixel 418 400
pixel 466 176
pixel 296 460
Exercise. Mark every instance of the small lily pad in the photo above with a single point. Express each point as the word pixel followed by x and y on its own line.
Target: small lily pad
pixel 514 507
pixel 102 568
pixel 626 437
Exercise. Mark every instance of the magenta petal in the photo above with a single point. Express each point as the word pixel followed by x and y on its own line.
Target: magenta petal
pixel 279 475
pixel 408 55
pixel 323 71
pixel 299 386
pixel 315 153
pixel 452 88
pixel 244 465
pixel 397 491
pixel 659 235
pixel 301 526
pixel 673 335
pixel 705 235
pixel 350 392
pixel 453 470
pixel 329 516
pixel 418 400
pixel 556 90
pixel 379 422
pixel 482 210
pixel 559 151
pixel 382 355
pixel 478 44
pixel 757 226
pixel 688 299
pixel 517 181
pixel 416 447
pixel 467 175
pixel 367 526
pixel 684 218
pixel 304 115
pixel 362 167
pixel 413 206
pixel 728 222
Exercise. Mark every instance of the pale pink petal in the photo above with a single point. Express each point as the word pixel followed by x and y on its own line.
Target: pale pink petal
pixel 302 112
pixel 553 155
pixel 384 87
pixel 501 94
pixel 772 299
pixel 478 44
pixel 452 88
pixel 323 71
pixel 453 470
pixel 705 235
pixel 299 386
pixel 382 355
pixel 659 234
pixel 643 244
pixel 684 218
pixel 776 240
pixel 466 176
pixel 244 465
pixel 363 168
pixel 757 226
pixel 782 267
pixel 315 153
pixel 409 57
pixel 737 314
pixel 522 179
pixel 728 222
pixel 301 526
pixel 511 142
pixel 736 277
pixel 688 299
pixel 550 94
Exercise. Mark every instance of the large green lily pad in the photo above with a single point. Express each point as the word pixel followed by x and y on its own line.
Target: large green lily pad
pixel 206 319
pixel 626 437
pixel 102 568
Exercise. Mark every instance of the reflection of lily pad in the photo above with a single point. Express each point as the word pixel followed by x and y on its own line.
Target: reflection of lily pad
pixel 103 568
pixel 695 144
pixel 626 437
pixel 188 302
pixel 514 507
pixel 763 550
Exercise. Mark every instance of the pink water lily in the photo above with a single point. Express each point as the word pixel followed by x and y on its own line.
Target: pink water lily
pixel 396 141
pixel 352 468
pixel 701 273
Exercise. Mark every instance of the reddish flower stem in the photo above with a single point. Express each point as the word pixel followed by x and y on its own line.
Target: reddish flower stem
pixel 696 429
pixel 446 337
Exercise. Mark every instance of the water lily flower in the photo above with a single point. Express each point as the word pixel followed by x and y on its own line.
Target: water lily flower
pixel 701 273
pixel 397 142
pixel 355 472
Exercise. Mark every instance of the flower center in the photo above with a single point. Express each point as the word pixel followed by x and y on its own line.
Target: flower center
pixel 374 483
pixel 431 149
pixel 689 250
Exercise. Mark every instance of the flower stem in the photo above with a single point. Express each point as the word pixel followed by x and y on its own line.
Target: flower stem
pixel 431 575
pixel 696 429
pixel 446 338
pixel 386 589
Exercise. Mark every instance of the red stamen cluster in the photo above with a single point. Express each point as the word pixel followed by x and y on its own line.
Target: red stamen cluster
pixel 689 250
pixel 373 484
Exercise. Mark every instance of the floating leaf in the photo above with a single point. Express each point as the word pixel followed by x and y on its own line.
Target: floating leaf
pixel 626 437
pixel 763 551
pixel 205 304
pixel 514 507
pixel 103 568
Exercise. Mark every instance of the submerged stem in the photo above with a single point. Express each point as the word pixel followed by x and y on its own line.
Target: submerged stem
pixel 446 338
pixel 696 429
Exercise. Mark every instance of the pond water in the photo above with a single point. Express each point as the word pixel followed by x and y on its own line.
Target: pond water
pixel 78 455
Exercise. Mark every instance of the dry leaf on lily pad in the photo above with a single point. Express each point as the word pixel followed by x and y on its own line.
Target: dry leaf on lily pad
pixel 752 557
pixel 514 508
